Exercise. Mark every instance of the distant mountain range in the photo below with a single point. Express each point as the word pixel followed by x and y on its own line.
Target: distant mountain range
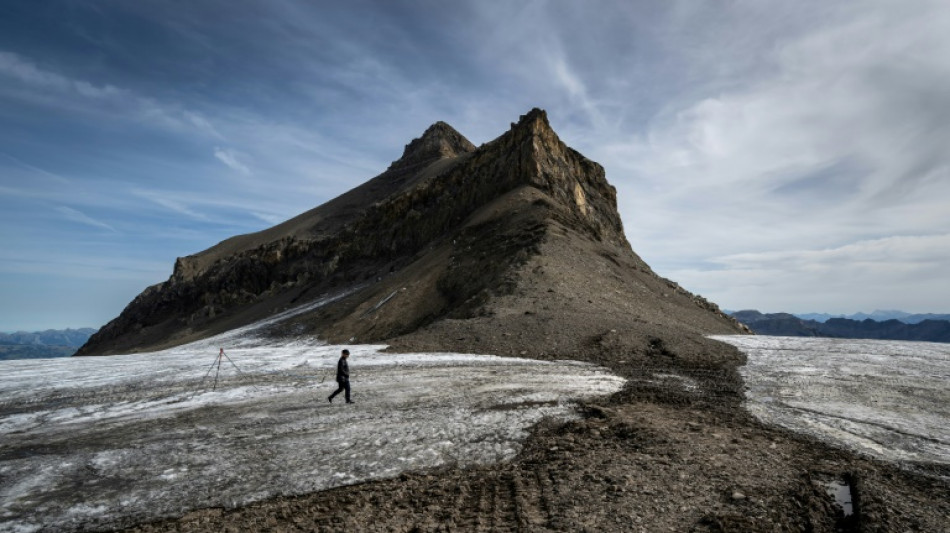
pixel 42 344
pixel 878 315
pixel 787 324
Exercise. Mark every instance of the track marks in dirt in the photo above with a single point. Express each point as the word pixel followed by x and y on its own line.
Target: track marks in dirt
pixel 502 501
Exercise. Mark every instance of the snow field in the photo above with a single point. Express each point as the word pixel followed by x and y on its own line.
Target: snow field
pixel 110 441
pixel 888 399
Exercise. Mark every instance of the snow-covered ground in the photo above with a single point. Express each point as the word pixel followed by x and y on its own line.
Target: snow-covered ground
pixel 889 399
pixel 100 442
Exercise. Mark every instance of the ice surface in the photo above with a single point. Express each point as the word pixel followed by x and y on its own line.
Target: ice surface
pixel 889 399
pixel 107 441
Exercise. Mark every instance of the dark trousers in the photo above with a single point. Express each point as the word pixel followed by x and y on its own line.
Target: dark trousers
pixel 344 386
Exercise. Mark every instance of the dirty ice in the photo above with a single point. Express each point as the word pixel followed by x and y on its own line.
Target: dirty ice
pixel 102 442
pixel 888 399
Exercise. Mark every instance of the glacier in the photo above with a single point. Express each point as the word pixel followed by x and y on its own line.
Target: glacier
pixel 104 442
pixel 885 399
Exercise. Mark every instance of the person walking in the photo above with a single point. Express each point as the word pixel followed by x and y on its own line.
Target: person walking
pixel 342 377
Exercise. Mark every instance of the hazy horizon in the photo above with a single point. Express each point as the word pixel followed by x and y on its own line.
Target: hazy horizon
pixel 764 311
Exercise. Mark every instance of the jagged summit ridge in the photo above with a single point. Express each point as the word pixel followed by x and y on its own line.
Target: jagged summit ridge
pixel 535 120
pixel 440 140
pixel 564 174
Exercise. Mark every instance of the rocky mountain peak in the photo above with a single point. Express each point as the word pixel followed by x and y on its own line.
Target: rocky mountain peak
pixel 448 229
pixel 535 121
pixel 440 140
pixel 534 155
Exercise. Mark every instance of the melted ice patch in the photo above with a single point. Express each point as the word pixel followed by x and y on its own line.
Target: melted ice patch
pixel 886 398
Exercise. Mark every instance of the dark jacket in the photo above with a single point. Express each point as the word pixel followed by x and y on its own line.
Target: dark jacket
pixel 342 370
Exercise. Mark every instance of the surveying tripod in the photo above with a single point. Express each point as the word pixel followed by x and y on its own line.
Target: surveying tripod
pixel 216 366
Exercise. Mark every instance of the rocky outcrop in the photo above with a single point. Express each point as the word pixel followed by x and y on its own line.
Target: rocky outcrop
pixel 456 220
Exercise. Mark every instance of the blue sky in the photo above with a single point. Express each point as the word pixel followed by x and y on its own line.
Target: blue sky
pixel 785 156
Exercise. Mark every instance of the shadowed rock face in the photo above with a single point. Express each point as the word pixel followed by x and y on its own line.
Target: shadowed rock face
pixel 446 233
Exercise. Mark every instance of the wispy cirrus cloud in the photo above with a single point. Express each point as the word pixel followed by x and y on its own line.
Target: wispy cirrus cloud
pixel 170 201
pixel 16 67
pixel 829 146
pixel 858 275
pixel 53 88
pixel 79 266
pixel 900 249
pixel 35 169
pixel 269 218
pixel 231 158
pixel 74 215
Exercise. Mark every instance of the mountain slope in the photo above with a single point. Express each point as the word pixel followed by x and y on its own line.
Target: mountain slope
pixel 513 247
pixel 217 289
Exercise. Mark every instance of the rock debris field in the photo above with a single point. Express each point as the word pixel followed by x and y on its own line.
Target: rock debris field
pixel 100 443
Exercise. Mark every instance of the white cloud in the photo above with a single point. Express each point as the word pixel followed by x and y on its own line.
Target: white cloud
pixel 55 89
pixel 230 158
pixel 269 218
pixel 202 123
pixel 34 169
pixel 13 65
pixel 896 250
pixel 82 218
pixel 905 271
pixel 817 160
pixel 86 266
pixel 170 201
